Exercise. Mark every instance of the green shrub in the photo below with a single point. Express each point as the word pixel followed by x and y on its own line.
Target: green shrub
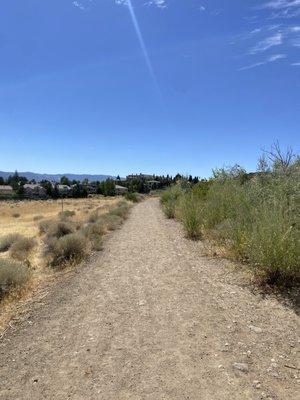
pixel 111 221
pixel 169 200
pixel 190 215
pixel 21 248
pixel 93 217
pixel 7 241
pixel 12 275
pixel 94 233
pixel 273 242
pixel 69 248
pixel 97 242
pixel 44 225
pixel 66 214
pixel 58 229
pixel 255 217
pixel 121 209
pixel 134 197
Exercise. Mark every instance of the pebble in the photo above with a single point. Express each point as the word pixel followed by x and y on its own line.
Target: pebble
pixel 256 384
pixel 255 329
pixel 241 367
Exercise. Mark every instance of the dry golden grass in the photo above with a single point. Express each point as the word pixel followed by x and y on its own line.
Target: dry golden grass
pixel 27 224
pixel 32 212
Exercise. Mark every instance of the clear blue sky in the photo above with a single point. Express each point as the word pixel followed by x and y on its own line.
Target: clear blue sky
pixel 161 86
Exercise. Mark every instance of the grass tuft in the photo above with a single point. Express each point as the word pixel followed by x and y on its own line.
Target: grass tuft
pixel 66 214
pixel 134 197
pixel 69 248
pixel 169 199
pixel 190 214
pixel 7 241
pixel 21 248
pixel 58 229
pixel 12 275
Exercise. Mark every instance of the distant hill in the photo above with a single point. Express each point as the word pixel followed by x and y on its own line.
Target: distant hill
pixel 56 177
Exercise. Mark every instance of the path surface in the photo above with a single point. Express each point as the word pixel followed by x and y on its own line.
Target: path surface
pixel 151 318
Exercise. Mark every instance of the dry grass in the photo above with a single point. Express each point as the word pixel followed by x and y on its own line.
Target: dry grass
pixel 48 209
pixel 22 248
pixel 41 224
pixel 69 248
pixel 12 275
pixel 7 241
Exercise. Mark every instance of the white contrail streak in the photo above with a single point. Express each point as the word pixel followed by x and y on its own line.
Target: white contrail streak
pixel 142 43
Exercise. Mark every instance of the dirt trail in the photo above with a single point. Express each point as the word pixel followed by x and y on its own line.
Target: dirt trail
pixel 151 318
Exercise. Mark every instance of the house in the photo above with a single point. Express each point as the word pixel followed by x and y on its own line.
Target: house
pixel 121 189
pixel 153 185
pixel 91 189
pixel 64 190
pixel 139 176
pixel 34 191
pixel 6 189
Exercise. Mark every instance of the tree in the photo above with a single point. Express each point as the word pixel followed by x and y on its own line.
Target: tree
pixel 48 186
pixel 64 181
pixel 108 188
pixel 281 160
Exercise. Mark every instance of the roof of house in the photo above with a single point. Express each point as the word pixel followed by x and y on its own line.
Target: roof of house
pixel 121 187
pixel 64 187
pixel 5 187
pixel 32 186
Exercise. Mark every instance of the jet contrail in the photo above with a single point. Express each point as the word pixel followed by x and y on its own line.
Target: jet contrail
pixel 142 43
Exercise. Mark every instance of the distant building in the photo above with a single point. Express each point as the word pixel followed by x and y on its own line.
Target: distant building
pixel 6 189
pixel 34 191
pixel 121 189
pixel 153 185
pixel 64 190
pixel 139 176
pixel 91 189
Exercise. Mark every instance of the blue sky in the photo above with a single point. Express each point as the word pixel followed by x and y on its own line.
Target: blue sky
pixel 161 86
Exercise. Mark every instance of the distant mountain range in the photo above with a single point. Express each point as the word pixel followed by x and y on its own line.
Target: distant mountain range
pixel 56 177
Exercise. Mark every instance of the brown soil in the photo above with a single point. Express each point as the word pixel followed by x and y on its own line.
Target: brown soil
pixel 151 317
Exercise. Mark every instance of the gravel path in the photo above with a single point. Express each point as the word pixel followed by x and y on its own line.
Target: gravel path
pixel 151 317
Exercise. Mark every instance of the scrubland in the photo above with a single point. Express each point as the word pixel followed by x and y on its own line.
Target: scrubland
pixel 254 218
pixel 47 237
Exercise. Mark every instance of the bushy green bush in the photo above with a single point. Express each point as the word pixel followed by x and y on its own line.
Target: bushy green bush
pixel 21 248
pixel 134 197
pixel 69 248
pixel 58 229
pixel 44 225
pixel 169 200
pixel 66 214
pixel 7 241
pixel 255 216
pixel 94 233
pixel 259 222
pixel 93 217
pixel 121 209
pixel 12 275
pixel 111 221
pixel 189 211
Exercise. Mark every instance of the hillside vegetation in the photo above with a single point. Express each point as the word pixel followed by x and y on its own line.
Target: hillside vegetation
pixel 254 217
